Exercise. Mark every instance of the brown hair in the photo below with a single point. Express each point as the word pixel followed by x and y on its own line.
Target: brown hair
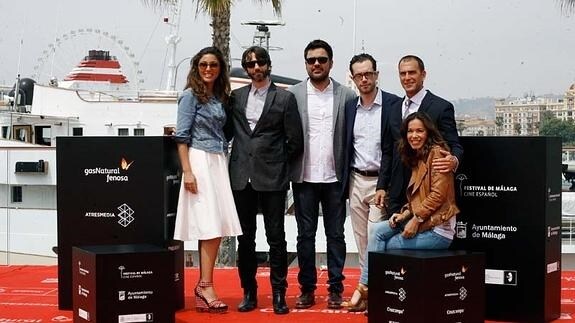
pixel 409 156
pixel 222 83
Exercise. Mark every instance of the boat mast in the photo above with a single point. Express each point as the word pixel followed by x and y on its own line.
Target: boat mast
pixel 17 85
pixel 262 34
pixel 172 40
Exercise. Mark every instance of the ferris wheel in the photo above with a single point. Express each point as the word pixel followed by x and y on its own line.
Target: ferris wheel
pixel 67 50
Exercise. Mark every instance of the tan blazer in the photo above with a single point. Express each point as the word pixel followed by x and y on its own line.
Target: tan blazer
pixel 431 194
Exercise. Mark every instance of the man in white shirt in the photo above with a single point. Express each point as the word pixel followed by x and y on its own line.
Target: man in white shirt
pixel 317 176
pixel 364 119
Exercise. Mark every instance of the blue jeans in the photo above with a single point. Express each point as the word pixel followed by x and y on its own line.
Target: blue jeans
pixel 384 237
pixel 307 198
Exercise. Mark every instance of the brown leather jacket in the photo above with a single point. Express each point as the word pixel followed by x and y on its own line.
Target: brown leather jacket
pixel 431 194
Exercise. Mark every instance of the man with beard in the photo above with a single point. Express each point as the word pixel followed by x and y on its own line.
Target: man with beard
pixel 267 136
pixel 317 175
pixel 363 157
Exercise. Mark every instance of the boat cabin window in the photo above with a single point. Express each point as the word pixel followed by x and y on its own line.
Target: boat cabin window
pixel 5 132
pixel 77 131
pixel 43 135
pixel 169 131
pixel 16 194
pixel 139 132
pixel 123 132
pixel 23 133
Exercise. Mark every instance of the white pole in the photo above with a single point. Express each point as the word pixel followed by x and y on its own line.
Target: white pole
pixel 172 41
pixel 354 25
pixel 17 86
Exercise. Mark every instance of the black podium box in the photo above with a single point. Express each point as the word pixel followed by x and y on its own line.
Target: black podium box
pixel 509 193
pixel 115 190
pixel 123 283
pixel 426 286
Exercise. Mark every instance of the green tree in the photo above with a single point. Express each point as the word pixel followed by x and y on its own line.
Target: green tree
pixel 551 126
pixel 567 5
pixel 517 128
pixel 499 125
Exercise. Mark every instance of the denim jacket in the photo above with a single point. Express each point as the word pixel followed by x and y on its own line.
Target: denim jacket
pixel 201 125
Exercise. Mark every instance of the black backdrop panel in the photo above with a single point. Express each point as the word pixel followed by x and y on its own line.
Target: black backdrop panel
pixel 113 190
pixel 509 193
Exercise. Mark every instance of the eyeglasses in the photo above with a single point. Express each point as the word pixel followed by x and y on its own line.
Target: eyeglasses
pixel 312 60
pixel 368 75
pixel 252 64
pixel 212 65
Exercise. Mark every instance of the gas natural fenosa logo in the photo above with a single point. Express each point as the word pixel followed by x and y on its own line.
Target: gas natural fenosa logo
pixel 112 174
pixel 397 275
pixel 457 275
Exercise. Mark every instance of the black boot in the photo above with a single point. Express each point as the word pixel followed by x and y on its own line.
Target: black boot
pixel 279 302
pixel 250 301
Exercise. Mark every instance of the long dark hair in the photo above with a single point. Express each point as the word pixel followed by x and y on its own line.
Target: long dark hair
pixel 409 156
pixel 222 83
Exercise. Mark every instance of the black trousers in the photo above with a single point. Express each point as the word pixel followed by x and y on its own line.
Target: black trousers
pixel 273 209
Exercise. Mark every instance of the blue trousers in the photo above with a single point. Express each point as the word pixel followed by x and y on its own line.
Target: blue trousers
pixel 307 198
pixel 384 237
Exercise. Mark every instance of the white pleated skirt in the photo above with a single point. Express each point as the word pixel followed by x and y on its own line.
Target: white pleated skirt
pixel 211 213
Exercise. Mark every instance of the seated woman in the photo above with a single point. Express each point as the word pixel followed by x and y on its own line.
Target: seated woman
pixel 427 220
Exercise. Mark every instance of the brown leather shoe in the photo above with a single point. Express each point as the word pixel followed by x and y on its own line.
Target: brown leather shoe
pixel 305 300
pixel 334 300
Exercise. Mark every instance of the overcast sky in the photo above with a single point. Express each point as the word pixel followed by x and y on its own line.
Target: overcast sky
pixel 471 48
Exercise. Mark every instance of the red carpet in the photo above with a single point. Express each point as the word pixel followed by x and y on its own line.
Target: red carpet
pixel 30 294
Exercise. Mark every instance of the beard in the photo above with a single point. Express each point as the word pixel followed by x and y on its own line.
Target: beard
pixel 319 77
pixel 259 75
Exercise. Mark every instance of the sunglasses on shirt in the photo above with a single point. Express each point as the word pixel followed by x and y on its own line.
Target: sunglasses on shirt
pixel 252 64
pixel 312 60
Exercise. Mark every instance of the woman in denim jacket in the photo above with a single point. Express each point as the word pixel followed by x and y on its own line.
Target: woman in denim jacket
pixel 206 209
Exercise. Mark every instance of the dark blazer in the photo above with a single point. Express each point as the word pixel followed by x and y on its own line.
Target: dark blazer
pixel 393 175
pixel 387 101
pixel 264 154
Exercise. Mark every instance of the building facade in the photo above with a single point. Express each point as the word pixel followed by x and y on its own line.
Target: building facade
pixel 522 117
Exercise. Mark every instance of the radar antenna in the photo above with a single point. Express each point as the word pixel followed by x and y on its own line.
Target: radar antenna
pixel 262 34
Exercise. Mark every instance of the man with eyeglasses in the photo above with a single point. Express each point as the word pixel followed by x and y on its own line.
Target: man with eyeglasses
pixel 363 142
pixel 317 176
pixel 267 137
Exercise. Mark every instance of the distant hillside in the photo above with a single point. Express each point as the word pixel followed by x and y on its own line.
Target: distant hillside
pixel 479 107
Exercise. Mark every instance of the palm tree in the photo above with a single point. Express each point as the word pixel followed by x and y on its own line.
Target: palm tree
pixel 220 11
pixel 567 5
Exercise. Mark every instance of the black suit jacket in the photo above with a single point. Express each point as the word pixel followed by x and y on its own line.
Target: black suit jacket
pixel 264 154
pixel 393 174
pixel 387 101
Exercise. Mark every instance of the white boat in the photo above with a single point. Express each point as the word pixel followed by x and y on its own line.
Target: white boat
pixel 93 100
